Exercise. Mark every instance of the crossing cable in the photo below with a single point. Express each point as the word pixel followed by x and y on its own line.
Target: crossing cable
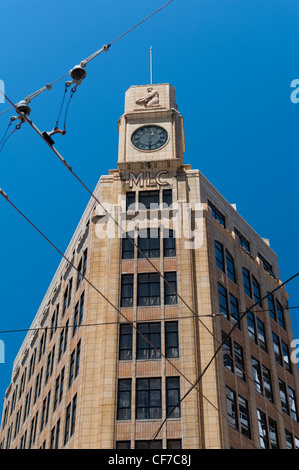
pixel 5 196
pixel 34 127
pixel 218 349
pixel 85 325
pixel 83 63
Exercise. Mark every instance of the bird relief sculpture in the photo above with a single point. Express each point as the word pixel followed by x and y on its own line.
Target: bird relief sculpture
pixel 151 99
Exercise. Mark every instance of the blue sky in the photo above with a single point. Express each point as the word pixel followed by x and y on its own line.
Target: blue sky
pixel 231 62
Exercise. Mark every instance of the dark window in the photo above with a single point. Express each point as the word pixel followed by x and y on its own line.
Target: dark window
pixel 169 248
pixel 267 265
pixel 131 201
pixel 246 282
pixel 67 423
pixel 171 339
pixel 277 349
pixel 57 434
pixel 75 320
pixel 66 335
pixel 280 314
pixel 217 214
pixel 234 309
pixel 286 356
pixel 77 362
pixel 170 287
pixel 261 335
pixel 125 342
pixel 84 262
pixel 65 297
pixel 127 290
pixel 70 292
pixel 149 242
pixel 271 306
pixel 73 418
pixel 267 383
pixel 230 267
pixel 257 376
pixel 152 332
pixel 263 431
pixel 242 241
pixel 167 197
pixel 174 443
pixel 244 416
pixel 61 384
pixel 227 352
pixel 283 396
pixel 156 444
pixel 123 445
pixel 148 200
pixel 72 368
pixel 148 290
pixel 79 270
pixel 124 399
pixel 256 291
pixel 251 327
pixel 232 408
pixel 81 311
pixel 219 256
pixel 222 298
pixel 273 433
pixel 148 398
pixel 289 440
pixel 239 361
pixel 127 246
pixel 173 408
pixel 293 404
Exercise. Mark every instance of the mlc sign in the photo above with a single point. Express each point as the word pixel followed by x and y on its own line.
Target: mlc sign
pixel 145 179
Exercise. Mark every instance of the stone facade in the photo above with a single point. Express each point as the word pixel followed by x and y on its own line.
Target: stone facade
pixel 65 393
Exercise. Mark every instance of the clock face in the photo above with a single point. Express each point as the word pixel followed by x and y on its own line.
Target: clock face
pixel 149 137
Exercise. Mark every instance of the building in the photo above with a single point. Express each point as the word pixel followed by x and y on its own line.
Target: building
pixel 106 374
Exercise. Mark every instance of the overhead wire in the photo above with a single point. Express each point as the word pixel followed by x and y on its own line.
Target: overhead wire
pixel 48 86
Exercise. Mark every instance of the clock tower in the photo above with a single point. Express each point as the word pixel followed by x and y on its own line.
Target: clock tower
pixel 151 129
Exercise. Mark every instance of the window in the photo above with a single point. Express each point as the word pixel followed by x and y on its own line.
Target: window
pixel 73 418
pixel 61 384
pixel 171 339
pixel 292 402
pixel 234 309
pixel 174 443
pixel 125 342
pixel 266 264
pixel 217 214
pixel 246 282
pixel 156 444
pixel 289 439
pixel 242 241
pixel 148 290
pixel 251 327
pixel 169 249
pixel 124 399
pixel 173 409
pixel 70 292
pixel 151 331
pixel 256 291
pixel 128 246
pixel 170 288
pixel 280 315
pixel 60 349
pixel 76 315
pixel 273 433
pixel 65 297
pixel 79 269
pixel 131 201
pixel 77 362
pixel 244 416
pixel 222 299
pixel 72 368
pixel 149 243
pixel 148 398
pixel 261 335
pixel 66 335
pixel 283 396
pixel 263 431
pixel 277 349
pixel 267 384
pixel 123 445
pixel 230 267
pixel 167 197
pixel 127 290
pixel 57 434
pixel 56 392
pixel 239 361
pixel 219 256
pixel 257 376
pixel 286 356
pixel 231 408
pixel 84 262
pixel 148 200
pixel 81 311
pixel 227 352
pixel 271 306
pixel 67 423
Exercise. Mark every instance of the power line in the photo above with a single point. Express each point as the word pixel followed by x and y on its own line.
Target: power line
pixel 82 325
pixel 217 351
pixel 83 63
